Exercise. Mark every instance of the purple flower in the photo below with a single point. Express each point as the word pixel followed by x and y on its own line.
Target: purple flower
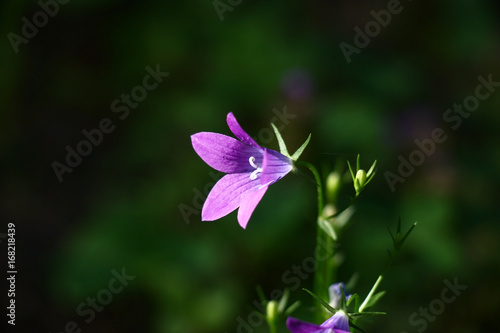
pixel 338 323
pixel 250 170
pixel 336 294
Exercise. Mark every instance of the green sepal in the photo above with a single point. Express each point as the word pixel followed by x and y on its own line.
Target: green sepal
pixel 342 305
pixel 350 170
pixel 299 151
pixel 398 239
pixel 283 149
pixel 354 298
pixel 319 299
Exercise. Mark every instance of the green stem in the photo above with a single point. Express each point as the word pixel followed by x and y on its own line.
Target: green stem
pixel 317 178
pixel 272 328
pixel 324 268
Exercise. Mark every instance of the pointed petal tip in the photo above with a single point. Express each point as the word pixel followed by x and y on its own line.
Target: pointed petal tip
pixel 239 132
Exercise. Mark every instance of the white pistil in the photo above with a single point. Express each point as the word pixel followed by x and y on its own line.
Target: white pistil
pixel 257 168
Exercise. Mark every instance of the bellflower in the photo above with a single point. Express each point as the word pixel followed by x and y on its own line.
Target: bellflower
pixel 338 323
pixel 336 295
pixel 250 170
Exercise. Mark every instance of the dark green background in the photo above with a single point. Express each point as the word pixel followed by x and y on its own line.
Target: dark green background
pixel 120 206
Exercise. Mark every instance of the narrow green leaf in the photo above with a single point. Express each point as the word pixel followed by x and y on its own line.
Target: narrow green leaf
pixel 328 228
pixel 374 299
pixel 283 149
pixel 364 314
pixel 283 300
pixel 299 151
pixel 292 308
pixel 261 294
pixel 319 299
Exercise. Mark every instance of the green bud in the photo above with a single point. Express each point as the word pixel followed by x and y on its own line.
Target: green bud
pixel 399 238
pixel 333 183
pixel 360 179
pixel 271 311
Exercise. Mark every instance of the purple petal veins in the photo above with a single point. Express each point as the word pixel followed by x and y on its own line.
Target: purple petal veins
pixel 223 153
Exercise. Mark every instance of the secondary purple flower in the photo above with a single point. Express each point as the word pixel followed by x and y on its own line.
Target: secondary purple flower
pixel 335 294
pixel 250 170
pixel 338 323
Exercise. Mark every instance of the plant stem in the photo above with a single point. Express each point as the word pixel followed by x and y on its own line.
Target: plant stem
pixel 319 184
pixel 324 267
pixel 272 328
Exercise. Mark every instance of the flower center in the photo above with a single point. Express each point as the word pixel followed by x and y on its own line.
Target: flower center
pixel 257 168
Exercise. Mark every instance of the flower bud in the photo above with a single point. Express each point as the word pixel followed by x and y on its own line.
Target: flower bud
pixel 271 311
pixel 360 179
pixel 333 186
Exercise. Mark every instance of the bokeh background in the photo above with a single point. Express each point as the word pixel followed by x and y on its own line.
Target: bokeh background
pixel 122 206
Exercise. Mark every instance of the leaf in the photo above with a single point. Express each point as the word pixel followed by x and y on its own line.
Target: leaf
pixel 319 299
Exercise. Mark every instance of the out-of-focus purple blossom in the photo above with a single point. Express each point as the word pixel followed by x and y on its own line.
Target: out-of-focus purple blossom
pixel 297 85
pixel 336 294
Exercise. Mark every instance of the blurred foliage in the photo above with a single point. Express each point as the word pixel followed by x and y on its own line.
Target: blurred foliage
pixel 120 207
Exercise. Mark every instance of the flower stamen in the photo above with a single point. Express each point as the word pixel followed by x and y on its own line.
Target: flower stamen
pixel 257 168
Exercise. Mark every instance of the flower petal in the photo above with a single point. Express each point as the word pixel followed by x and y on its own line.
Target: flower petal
pixel 336 294
pixel 274 166
pixel 224 153
pixel 238 131
pixel 226 195
pixel 339 321
pixel 249 200
pixel 299 326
